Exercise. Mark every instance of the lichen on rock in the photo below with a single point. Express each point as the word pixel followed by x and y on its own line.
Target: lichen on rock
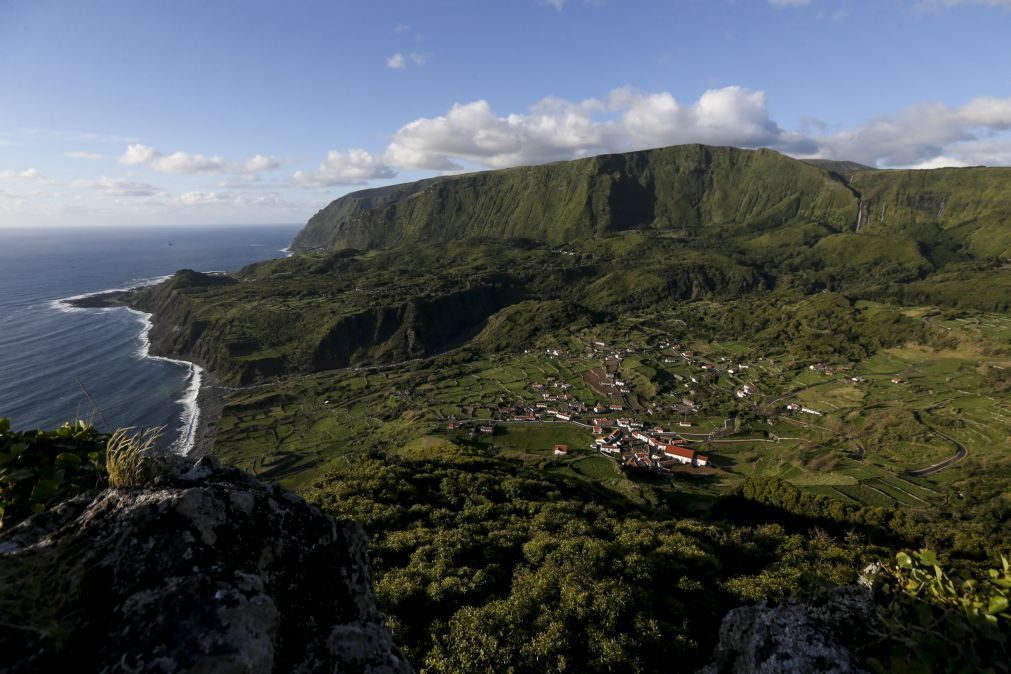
pixel 202 570
pixel 793 636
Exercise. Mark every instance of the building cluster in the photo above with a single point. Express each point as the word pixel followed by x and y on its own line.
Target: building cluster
pixel 655 450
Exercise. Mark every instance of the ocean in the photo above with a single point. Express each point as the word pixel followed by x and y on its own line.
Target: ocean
pixel 59 363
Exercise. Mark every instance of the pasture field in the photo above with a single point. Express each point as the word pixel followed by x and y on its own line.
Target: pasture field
pixel 864 436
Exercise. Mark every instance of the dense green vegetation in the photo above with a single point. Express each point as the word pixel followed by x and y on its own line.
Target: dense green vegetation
pixel 42 468
pixel 487 565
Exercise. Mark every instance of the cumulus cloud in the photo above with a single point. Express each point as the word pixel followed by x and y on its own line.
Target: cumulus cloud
pixel 626 119
pixel 137 154
pixel 553 129
pixel 90 156
pixel 177 162
pixel 117 187
pixel 260 162
pixel 354 167
pixel 556 129
pixel 728 116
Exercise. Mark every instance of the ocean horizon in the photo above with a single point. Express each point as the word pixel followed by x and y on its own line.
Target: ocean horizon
pixel 60 363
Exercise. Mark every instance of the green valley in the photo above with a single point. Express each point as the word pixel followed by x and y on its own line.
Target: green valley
pixel 701 344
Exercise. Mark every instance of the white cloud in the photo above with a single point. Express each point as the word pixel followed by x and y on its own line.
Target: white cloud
pixel 227 200
pixel 552 130
pixel 117 187
pixel 556 129
pixel 789 3
pixel 202 198
pixel 473 134
pixel 90 156
pixel 181 162
pixel 940 162
pixel 354 167
pixel 728 116
pixel 177 162
pixel 927 132
pixel 31 175
pixel 137 154
pixel 260 162
pixel 401 28
pixel 400 61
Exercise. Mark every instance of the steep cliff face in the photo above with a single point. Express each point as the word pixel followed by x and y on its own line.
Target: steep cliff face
pixel 676 188
pixel 683 187
pixel 205 570
pixel 962 208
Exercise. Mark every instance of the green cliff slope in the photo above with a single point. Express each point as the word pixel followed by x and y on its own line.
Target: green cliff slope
pixel 683 187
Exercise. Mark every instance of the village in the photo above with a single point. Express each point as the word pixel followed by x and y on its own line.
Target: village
pixel 624 427
pixel 674 429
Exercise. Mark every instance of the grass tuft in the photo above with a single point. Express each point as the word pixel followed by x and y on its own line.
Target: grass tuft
pixel 128 457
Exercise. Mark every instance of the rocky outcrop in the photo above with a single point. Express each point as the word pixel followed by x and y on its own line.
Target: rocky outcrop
pixel 201 570
pixel 792 636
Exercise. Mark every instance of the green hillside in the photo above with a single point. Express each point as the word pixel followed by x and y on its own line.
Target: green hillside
pixel 674 188
pixel 689 190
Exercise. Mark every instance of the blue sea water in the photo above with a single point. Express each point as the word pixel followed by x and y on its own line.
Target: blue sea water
pixel 59 364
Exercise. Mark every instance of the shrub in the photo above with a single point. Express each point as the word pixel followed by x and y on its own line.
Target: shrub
pixel 41 468
pixel 932 622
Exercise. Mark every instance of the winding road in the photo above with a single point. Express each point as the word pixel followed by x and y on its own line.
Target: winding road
pixel 960 454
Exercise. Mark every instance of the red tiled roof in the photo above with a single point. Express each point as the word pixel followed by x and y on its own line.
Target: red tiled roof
pixel 674 450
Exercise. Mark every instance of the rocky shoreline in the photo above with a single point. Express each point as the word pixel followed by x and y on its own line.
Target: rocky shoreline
pixel 106 300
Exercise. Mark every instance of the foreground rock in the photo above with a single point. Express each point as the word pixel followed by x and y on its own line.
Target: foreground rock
pixel 793 637
pixel 206 570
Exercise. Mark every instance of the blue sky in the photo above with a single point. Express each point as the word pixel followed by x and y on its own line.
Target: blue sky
pixel 123 112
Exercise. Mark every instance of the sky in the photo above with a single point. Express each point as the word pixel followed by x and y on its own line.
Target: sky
pixel 159 112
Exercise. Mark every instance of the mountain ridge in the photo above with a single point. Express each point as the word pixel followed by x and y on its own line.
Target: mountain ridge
pixel 679 187
pixel 685 188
